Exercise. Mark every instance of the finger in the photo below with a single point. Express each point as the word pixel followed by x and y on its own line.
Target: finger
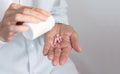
pixel 39 13
pixel 56 56
pixel 33 12
pixel 51 53
pixel 19 6
pixel 65 54
pixel 15 6
pixel 23 18
pixel 75 42
pixel 20 28
pixel 48 42
pixel 44 12
pixel 46 48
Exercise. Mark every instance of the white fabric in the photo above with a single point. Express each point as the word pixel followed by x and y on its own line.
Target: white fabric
pixel 36 30
pixel 68 68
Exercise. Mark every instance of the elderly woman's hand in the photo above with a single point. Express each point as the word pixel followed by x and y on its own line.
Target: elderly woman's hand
pixel 60 52
pixel 15 15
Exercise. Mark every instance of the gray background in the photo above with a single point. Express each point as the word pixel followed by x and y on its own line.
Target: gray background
pixel 98 25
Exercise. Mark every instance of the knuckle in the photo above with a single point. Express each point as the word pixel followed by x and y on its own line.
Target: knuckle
pixel 12 5
pixel 8 23
pixel 24 10
pixel 17 16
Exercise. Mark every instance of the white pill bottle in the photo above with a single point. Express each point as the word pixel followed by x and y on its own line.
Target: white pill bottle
pixel 36 30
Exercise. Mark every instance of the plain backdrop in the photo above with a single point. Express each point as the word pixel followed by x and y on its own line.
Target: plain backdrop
pixel 98 25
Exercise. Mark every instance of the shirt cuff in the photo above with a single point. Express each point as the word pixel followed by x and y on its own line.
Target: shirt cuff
pixel 62 20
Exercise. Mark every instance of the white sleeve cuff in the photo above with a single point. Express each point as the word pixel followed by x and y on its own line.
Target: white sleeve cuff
pixel 60 19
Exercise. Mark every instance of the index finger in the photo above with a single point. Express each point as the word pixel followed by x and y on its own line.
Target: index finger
pixel 19 6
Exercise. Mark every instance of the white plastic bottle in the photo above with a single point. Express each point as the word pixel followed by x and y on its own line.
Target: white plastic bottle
pixel 36 30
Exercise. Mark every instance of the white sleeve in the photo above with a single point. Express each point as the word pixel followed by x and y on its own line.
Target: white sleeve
pixel 59 12
pixel 2 43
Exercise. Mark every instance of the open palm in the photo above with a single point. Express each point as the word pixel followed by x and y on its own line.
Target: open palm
pixel 60 52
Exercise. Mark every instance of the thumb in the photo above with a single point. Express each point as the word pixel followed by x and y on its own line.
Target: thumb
pixel 75 42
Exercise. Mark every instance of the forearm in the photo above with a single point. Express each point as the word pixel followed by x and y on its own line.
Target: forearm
pixel 59 12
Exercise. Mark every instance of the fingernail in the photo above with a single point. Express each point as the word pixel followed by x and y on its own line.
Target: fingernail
pixel 55 63
pixel 45 53
pixel 62 63
pixel 80 50
pixel 50 57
